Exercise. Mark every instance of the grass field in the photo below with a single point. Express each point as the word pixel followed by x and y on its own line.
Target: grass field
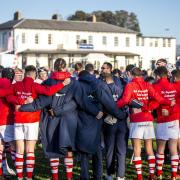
pixel 42 169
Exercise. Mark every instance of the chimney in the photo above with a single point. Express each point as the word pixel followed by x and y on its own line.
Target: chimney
pixel 17 15
pixel 94 18
pixel 56 17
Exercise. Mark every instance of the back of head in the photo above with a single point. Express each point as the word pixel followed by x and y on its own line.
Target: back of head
pixel 59 64
pixel 96 72
pixel 89 67
pixel 42 69
pixel 144 73
pixel 129 67
pixel 83 73
pixel 136 72
pixel 29 69
pixel 78 66
pixel 117 71
pixel 150 79
pixel 161 71
pixel 176 74
pixel 8 73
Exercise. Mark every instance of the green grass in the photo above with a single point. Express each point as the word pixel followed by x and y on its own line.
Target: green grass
pixel 42 169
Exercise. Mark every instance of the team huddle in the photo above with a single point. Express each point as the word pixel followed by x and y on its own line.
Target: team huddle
pixel 85 112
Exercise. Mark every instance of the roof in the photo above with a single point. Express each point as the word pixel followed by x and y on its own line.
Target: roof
pixel 157 37
pixel 64 25
pixel 85 52
pixel 9 24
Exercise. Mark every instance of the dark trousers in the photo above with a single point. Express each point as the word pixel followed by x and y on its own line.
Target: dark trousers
pixel 97 166
pixel 116 138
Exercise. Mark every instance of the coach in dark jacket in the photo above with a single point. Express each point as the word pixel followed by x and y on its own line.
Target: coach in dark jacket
pixel 115 131
pixel 89 131
pixel 89 128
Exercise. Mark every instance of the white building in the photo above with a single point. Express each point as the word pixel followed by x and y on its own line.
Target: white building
pixel 40 42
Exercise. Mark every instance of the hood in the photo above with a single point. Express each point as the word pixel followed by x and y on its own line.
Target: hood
pixel 138 79
pixel 60 75
pixel 87 78
pixel 90 79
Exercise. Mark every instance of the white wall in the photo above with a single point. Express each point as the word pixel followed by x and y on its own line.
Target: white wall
pixel 67 40
pixel 148 53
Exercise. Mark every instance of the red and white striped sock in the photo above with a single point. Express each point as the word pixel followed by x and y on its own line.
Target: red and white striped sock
pixel 159 163
pixel 68 161
pixel 19 165
pixel 138 165
pixel 152 164
pixel 30 161
pixel 1 154
pixel 174 165
pixel 54 163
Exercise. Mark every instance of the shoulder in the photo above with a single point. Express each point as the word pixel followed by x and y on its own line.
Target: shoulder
pixel 130 85
pixel 17 84
pixel 101 84
pixel 117 80
pixel 172 85
pixel 73 84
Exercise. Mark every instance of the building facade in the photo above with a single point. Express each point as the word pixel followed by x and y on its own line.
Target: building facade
pixel 40 42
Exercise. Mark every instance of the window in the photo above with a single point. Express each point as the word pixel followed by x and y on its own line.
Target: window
pixel 151 44
pixel 36 39
pixel 137 41
pixel 169 42
pixel 156 43
pixel 116 41
pixel 83 41
pixel 104 40
pixel 4 38
pixel 142 42
pixel 49 38
pixel 90 39
pixel 77 39
pixel 164 42
pixel 127 42
pixel 23 38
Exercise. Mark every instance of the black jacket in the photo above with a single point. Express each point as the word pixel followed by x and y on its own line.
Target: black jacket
pixel 89 128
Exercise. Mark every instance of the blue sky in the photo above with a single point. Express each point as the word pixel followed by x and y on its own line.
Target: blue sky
pixel 154 15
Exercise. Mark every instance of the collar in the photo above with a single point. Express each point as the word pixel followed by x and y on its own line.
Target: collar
pixel 28 79
pixel 137 79
pixel 60 75
pixel 163 80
